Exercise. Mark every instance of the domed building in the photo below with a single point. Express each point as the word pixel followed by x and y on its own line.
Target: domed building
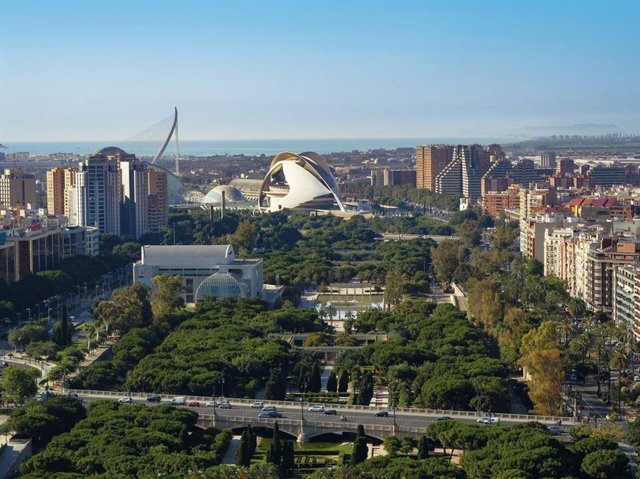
pixel 300 182
pixel 231 195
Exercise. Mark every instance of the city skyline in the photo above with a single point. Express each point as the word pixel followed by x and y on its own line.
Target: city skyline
pixel 98 71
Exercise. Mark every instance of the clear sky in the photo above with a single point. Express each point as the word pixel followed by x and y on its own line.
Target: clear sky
pixel 99 70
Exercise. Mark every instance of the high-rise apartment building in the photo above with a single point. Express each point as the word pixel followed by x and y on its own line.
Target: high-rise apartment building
pixel 565 167
pixel 548 159
pixel 99 191
pixel 69 182
pixel 626 297
pixel 474 163
pixel 449 180
pixel 430 161
pixel 58 182
pixel 134 209
pixel 55 191
pixel 158 182
pixel 17 188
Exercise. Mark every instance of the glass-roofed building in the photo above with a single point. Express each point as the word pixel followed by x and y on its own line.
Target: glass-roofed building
pixel 206 271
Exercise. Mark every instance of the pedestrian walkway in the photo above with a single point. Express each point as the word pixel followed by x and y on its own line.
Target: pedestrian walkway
pixel 12 455
pixel 229 458
pixel 380 397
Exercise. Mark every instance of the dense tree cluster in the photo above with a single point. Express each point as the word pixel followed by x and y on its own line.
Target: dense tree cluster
pixel 122 440
pixel 41 421
pixel 528 451
pixel 127 352
pixel 224 340
pixel 437 361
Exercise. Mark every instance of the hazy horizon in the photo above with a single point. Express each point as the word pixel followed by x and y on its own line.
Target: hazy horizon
pixel 94 71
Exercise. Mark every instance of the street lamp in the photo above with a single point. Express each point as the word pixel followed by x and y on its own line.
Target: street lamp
pixel 393 408
pixel 303 387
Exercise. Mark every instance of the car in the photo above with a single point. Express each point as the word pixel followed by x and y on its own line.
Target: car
pixel 126 400
pixel 488 420
pixel 225 405
pixel 555 430
pixel 193 404
pixel 330 412
pixel 316 408
pixel 72 394
pixel 179 400
pixel 268 415
pixel 154 398
pixel 382 414
pixel 257 405
pixel 636 378
pixel 213 403
pixel 268 408
pixel 443 418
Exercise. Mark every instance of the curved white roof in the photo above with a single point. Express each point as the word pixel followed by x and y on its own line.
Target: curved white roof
pixel 308 181
pixel 231 194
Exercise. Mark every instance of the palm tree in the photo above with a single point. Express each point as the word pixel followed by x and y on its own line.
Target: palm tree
pixel 620 361
pixel 91 329
pixel 263 470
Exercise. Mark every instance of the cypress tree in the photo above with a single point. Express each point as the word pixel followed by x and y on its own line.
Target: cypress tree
pixel 332 382
pixel 365 392
pixel 343 383
pixel 288 459
pixel 242 457
pixel 315 379
pixel 360 450
pixel 65 329
pixel 423 447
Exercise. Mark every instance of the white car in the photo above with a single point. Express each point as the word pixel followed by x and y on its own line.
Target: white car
pixel 126 400
pixel 225 405
pixel 488 420
pixel 316 408
pixel 257 405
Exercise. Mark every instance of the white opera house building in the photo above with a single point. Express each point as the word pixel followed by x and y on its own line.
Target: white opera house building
pixel 299 182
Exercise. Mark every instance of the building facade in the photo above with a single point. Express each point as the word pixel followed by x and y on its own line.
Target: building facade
pixel 430 161
pixel 205 270
pixel 98 192
pixel 17 189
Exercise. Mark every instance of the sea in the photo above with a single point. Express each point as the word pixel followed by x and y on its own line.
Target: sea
pixel 238 147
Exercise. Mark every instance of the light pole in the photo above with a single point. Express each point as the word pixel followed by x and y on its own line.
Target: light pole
pixel 29 312
pixel 303 387
pixel 393 408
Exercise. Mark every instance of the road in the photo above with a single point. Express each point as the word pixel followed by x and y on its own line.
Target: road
pixel 354 414
pixel 409 237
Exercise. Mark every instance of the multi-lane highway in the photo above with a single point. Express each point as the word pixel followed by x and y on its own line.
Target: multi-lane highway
pixel 404 417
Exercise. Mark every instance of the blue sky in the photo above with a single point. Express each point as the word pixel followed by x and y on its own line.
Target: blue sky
pixel 94 70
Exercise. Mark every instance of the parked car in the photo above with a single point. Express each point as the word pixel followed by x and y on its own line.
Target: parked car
pixel 316 408
pixel 257 405
pixel 193 404
pixel 330 412
pixel 126 400
pixel 382 414
pixel 225 405
pixel 154 398
pixel 488 420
